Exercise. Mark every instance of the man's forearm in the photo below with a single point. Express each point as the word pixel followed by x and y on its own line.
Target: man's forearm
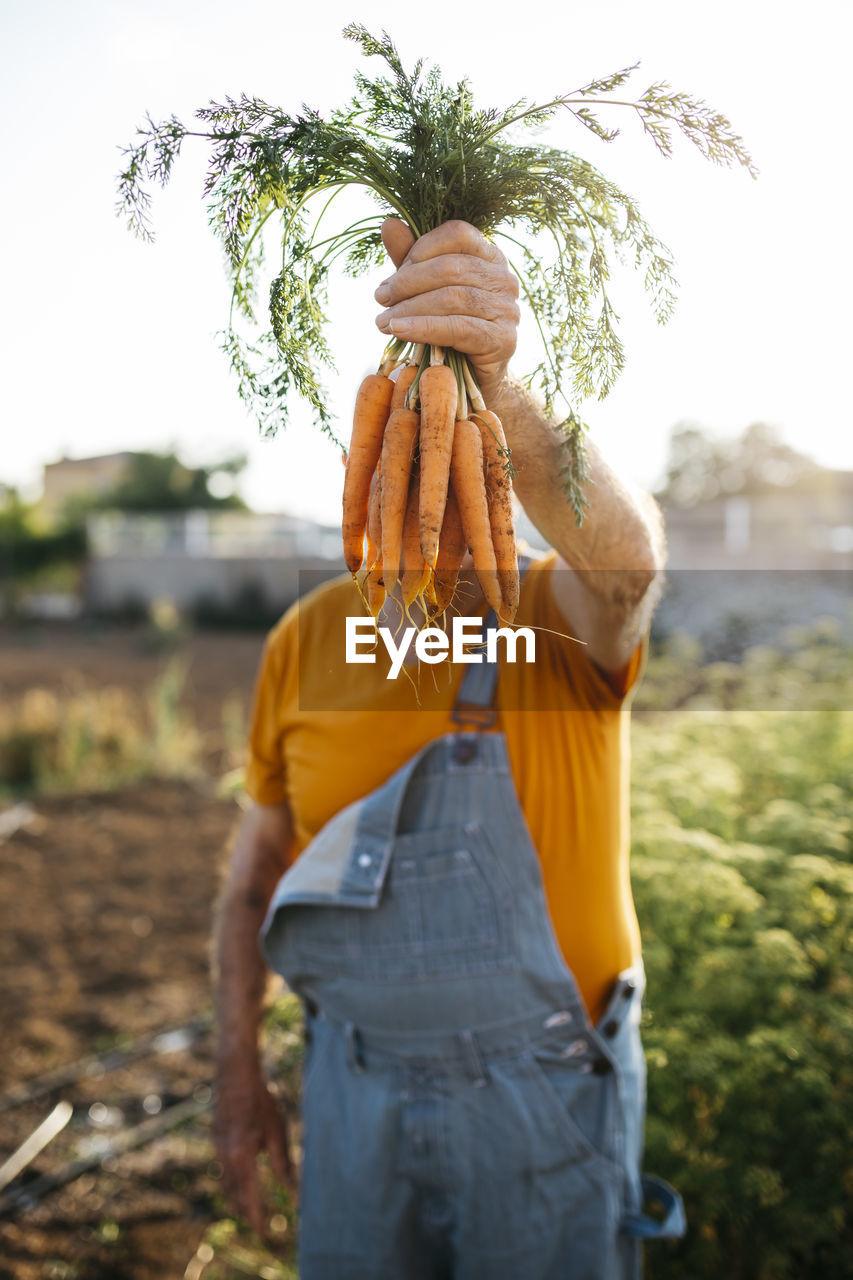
pixel 241 982
pixel 455 265
pixel 240 971
pixel 620 544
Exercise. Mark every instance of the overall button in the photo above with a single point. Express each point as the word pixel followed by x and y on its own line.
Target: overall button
pixel 602 1066
pixel 628 989
pixel 364 860
pixel 464 750
pixel 610 1028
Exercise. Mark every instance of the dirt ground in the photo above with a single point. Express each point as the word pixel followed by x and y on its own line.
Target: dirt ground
pixel 105 912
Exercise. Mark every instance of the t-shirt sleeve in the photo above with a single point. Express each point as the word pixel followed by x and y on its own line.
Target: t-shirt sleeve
pixel 617 685
pixel 265 775
pixel 593 687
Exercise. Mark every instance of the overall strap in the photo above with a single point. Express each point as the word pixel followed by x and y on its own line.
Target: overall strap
pixel 474 704
pixel 372 841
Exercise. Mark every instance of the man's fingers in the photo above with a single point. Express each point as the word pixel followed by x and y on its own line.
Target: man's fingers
pixel 454 237
pixel 255 1213
pixel 397 239
pixel 456 300
pixel 464 333
pixel 242 1189
pixel 278 1150
pixel 452 270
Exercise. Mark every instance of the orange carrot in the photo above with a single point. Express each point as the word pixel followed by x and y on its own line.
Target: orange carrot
pixel 369 417
pixel 451 550
pixel 439 395
pixel 398 446
pixel 470 489
pixel 374 519
pixel 405 378
pixel 415 575
pixel 375 585
pixel 499 495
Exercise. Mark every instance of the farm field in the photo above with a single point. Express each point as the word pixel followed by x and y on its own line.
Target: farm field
pixel 742 851
pixel 104 923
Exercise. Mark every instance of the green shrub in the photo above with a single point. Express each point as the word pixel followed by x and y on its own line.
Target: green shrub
pixel 743 876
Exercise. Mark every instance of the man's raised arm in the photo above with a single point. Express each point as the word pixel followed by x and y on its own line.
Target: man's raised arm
pixel 618 551
pixel 454 288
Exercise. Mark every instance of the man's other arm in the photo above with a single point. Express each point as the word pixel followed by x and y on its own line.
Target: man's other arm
pixel 247 1117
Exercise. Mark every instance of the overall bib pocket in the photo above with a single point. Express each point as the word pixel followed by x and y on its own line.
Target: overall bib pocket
pixel 443 909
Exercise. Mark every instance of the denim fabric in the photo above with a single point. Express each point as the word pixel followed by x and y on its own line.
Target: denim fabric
pixel 463 1118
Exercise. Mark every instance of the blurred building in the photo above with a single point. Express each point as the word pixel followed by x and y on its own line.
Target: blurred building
pixel 744 569
pixel 81 478
pixel 804 525
pixel 206 562
pixel 742 566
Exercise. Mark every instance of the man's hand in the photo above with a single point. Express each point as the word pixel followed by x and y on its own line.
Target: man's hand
pixel 453 288
pixel 248 1120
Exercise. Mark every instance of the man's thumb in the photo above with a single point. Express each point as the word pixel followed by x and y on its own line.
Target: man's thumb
pixel 397 238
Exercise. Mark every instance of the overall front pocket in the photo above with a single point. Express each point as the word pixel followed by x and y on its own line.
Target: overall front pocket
pixel 584 1103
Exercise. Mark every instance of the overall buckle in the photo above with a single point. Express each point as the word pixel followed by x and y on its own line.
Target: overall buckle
pixel 472 713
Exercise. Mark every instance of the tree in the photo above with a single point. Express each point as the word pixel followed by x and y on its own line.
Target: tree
pixel 701 468
pixel 161 482
pixel 28 553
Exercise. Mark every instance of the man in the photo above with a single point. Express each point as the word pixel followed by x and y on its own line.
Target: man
pixel 327 754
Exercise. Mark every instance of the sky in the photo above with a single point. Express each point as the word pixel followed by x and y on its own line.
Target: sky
pixel 108 343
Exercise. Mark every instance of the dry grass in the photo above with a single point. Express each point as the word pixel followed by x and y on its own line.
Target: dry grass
pixel 95 739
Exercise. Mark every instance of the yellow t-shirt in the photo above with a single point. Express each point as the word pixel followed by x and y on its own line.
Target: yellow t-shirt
pixel 325 733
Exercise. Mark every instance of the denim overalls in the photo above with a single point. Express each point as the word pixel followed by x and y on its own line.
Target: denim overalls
pixel 463 1119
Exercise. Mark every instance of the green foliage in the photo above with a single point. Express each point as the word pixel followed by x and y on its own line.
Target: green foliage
pixel 249 609
pixel 161 482
pixel 743 874
pixel 27 550
pixel 812 670
pixel 426 152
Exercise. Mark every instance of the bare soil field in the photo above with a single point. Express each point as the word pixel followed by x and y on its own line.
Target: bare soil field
pixel 105 913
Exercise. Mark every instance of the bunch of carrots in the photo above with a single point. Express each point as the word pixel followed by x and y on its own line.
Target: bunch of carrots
pixel 428 475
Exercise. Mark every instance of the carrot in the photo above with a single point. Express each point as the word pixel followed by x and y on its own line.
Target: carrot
pixel 374 519
pixel 415 575
pixel 405 378
pixel 499 495
pixel 375 585
pixel 470 489
pixel 439 395
pixel 398 446
pixel 369 417
pixel 451 550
